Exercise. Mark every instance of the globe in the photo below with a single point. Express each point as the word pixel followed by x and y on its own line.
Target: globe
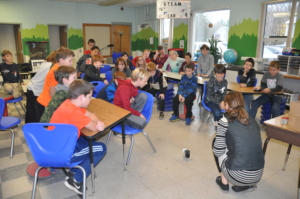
pixel 230 56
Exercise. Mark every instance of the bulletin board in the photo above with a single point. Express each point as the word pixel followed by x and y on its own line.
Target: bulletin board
pixel 173 9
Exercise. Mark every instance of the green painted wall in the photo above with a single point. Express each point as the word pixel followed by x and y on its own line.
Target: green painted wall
pixel 296 39
pixel 39 33
pixel 180 33
pixel 75 38
pixel 141 40
pixel 243 38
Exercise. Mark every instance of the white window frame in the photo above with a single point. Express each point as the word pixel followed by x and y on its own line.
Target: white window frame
pixel 161 29
pixel 261 39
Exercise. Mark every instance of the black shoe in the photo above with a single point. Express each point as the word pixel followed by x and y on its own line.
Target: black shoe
pixel 243 188
pixel 73 185
pixel 161 115
pixel 224 187
pixel 115 133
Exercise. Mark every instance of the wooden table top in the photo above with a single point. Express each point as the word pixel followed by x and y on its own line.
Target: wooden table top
pixel 276 122
pixel 177 76
pixel 106 112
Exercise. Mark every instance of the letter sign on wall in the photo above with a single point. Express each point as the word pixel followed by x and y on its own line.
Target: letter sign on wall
pixel 173 9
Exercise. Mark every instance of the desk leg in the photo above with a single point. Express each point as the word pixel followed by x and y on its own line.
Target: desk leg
pixel 298 194
pixel 123 142
pixel 266 144
pixel 92 165
pixel 287 156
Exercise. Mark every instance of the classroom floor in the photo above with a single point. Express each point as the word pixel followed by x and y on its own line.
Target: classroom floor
pixel 165 174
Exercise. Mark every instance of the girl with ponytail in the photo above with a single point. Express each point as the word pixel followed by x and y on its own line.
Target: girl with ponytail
pixel 238 147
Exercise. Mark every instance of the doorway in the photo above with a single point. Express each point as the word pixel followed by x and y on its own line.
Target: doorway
pixel 11 40
pixel 121 38
pixel 57 36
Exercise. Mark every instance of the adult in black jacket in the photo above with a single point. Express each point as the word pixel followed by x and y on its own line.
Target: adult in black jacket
pixel 237 147
pixel 92 72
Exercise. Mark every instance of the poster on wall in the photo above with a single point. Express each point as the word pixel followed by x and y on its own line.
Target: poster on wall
pixel 173 9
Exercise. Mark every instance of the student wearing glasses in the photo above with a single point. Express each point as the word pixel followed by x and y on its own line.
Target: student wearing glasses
pixel 145 56
pixel 141 63
pixel 121 65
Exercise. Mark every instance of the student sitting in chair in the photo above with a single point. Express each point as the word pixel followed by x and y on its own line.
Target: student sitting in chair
pixel 86 60
pixel 187 89
pixel 73 111
pixel 92 72
pixel 121 65
pixel 107 93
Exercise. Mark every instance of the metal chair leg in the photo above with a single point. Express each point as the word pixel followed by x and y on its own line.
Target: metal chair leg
pixel 108 138
pixel 287 156
pixel 84 181
pixel 12 142
pixel 22 107
pixel 206 118
pixel 35 181
pixel 18 110
pixel 130 149
pixel 150 142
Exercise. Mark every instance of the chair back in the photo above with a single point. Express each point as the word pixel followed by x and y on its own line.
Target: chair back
pixel 204 96
pixel 2 105
pixel 147 110
pixel 108 76
pixel 98 86
pixel 82 75
pixel 51 148
pixel 238 80
pixel 105 68
pixel 116 55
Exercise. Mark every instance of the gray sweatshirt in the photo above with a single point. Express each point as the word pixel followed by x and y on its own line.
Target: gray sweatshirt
pixel 206 65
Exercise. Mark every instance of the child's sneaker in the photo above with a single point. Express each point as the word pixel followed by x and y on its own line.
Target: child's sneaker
pixel 73 185
pixel 161 115
pixel 174 118
pixel 188 121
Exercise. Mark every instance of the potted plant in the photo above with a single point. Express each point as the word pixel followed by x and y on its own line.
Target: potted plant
pixel 214 50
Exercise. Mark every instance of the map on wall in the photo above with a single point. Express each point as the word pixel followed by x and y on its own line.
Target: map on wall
pixel 173 9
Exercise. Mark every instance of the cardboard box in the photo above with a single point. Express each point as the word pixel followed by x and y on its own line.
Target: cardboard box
pixel 295 107
pixel 293 121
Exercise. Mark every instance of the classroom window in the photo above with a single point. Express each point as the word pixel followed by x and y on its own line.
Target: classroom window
pixel 165 31
pixel 210 23
pixel 277 34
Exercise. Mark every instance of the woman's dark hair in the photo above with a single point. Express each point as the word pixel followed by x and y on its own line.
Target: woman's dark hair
pixel 220 68
pixel 188 54
pixel 250 60
pixel 124 53
pixel 235 101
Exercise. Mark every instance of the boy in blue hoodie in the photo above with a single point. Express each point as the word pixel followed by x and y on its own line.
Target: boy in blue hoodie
pixel 187 89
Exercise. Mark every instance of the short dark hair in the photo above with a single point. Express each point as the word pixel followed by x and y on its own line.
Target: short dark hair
pixel 91 41
pixel 250 60
pixel 63 72
pixel 220 68
pixel 95 47
pixel 124 53
pixel 204 46
pixel 160 47
pixel 188 54
pixel 190 66
pixel 63 53
pixel 80 87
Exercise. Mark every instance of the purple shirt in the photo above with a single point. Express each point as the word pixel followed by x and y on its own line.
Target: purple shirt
pixel 160 60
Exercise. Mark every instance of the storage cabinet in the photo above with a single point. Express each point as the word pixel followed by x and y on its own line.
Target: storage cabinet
pixel 289 64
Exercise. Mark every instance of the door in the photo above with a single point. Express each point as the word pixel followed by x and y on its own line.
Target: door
pixel 18 42
pixel 121 38
pixel 63 36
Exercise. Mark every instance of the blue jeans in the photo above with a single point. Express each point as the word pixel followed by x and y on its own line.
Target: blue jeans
pixel 248 99
pixel 274 99
pixel 81 153
pixel 215 109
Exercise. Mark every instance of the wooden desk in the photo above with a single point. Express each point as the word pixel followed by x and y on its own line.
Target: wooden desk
pixel 111 115
pixel 177 76
pixel 234 86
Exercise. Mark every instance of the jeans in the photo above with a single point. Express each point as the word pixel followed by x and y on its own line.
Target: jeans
pixel 82 153
pixel 215 109
pixel 274 99
pixel 161 101
pixel 248 99
pixel 188 102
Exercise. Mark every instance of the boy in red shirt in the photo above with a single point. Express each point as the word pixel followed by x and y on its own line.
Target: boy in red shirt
pixel 127 97
pixel 73 111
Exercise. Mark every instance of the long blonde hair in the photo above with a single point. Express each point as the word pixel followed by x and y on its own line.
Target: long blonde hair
pixel 235 101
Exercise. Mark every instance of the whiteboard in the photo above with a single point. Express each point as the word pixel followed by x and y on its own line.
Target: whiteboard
pixel 173 9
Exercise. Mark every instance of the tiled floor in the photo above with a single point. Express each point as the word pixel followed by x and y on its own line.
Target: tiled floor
pixel 165 174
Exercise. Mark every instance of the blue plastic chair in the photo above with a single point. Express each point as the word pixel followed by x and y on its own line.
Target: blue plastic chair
pixel 130 131
pixel 7 123
pixel 205 106
pixel 52 148
pixel 105 68
pixel 116 55
pixel 82 75
pixel 238 80
pixel 98 86
pixel 14 100
pixel 108 76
